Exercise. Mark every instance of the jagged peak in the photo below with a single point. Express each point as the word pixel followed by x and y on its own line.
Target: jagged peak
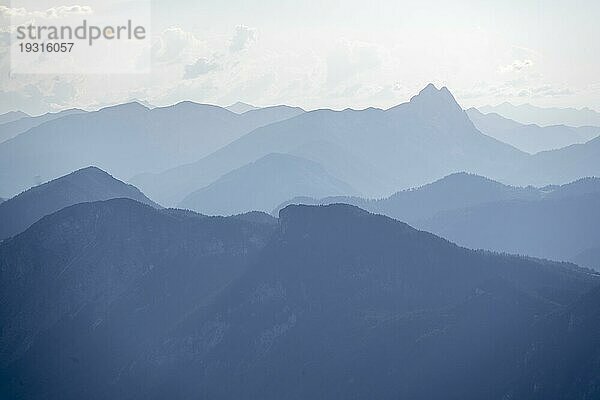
pixel 430 93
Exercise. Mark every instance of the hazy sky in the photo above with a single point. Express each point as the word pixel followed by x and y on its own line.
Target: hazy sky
pixel 342 54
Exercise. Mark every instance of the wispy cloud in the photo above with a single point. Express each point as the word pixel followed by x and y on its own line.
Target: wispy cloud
pixel 50 13
pixel 202 66
pixel 516 66
pixel 242 38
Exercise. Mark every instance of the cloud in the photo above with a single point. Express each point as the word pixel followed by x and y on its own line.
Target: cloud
pixel 173 44
pixel 516 66
pixel 549 90
pixel 37 97
pixel 202 66
pixel 242 38
pixel 50 13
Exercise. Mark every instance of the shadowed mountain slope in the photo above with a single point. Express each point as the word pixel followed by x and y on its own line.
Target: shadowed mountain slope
pixel 554 228
pixel 263 184
pixel 85 185
pixel 454 191
pixel 555 222
pixel 562 361
pixel 332 302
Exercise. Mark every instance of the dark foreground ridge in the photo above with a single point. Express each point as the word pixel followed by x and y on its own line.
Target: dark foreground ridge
pixel 116 299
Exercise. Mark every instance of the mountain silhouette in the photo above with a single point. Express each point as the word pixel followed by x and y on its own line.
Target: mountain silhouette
pixel 530 138
pixel 263 184
pixel 240 107
pixel 556 228
pixel 332 302
pixel 558 166
pixel 529 114
pixel 116 274
pixel 85 185
pixel 555 222
pixel 125 140
pixel 12 116
pixel 404 146
pixel 13 128
pixel 455 191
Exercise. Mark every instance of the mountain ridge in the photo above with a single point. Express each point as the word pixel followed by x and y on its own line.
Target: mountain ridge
pixel 325 288
pixel 530 114
pixel 84 185
pixel 431 130
pixel 124 140
pixel 531 137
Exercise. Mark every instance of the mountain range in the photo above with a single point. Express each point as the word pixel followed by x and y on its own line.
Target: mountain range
pixel 85 185
pixel 404 146
pixel 116 299
pixel 263 184
pixel 553 228
pixel 124 140
pixel 530 138
pixel 172 152
pixel 529 114
pixel 15 126
pixel 554 222
pixel 12 116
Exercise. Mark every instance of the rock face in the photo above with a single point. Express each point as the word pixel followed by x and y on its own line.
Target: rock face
pixel 117 299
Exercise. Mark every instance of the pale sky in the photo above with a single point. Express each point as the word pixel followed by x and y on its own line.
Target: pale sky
pixel 339 54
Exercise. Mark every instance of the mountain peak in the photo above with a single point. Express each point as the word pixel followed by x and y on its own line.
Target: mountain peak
pixel 241 107
pixel 430 88
pixel 81 186
pixel 431 94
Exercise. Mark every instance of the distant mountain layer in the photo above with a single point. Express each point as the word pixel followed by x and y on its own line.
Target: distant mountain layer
pixel 558 229
pixel 240 108
pixel 125 140
pixel 264 184
pixel 10 129
pixel 332 302
pixel 560 166
pixel 456 191
pixel 415 142
pixel 555 222
pixel 528 114
pixel 530 138
pixel 85 185
pixel 12 116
